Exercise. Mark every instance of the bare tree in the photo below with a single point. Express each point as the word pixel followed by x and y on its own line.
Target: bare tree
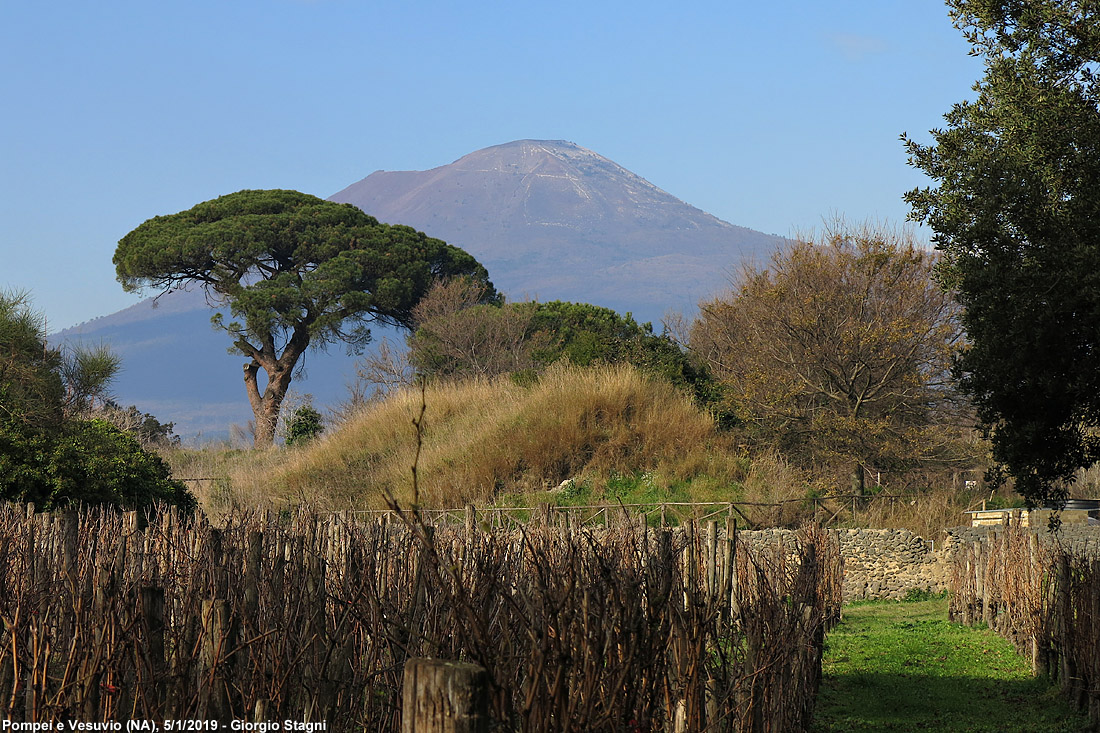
pixel 457 336
pixel 377 375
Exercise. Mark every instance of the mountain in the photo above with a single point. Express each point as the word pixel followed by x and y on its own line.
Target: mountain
pixel 177 367
pixel 549 219
pixel 554 221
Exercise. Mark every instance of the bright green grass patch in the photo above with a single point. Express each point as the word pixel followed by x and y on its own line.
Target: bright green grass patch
pixel 645 488
pixel 893 666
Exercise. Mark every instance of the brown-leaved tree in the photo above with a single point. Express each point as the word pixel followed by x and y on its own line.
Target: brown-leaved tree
pixel 839 349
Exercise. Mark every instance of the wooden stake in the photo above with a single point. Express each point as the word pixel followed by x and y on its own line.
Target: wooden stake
pixel 444 697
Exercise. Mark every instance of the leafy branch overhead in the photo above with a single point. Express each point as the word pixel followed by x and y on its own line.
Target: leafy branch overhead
pixel 295 271
pixel 1016 214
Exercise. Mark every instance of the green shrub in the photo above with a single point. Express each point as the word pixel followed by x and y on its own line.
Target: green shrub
pixel 87 462
pixel 304 425
pixel 918 595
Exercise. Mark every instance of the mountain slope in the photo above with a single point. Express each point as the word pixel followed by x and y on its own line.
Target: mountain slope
pixel 556 221
pixel 548 218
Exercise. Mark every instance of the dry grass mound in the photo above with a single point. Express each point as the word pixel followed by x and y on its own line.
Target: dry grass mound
pixel 481 439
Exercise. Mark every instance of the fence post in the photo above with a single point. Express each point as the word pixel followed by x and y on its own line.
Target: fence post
pixel 253 571
pixel 439 696
pixel 729 585
pixel 7 660
pixel 216 646
pixel 1063 614
pixel 712 560
pixel 152 624
pixel 988 585
pixel 471 520
pixel 1038 646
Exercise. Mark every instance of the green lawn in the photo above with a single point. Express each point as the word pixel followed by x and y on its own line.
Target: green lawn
pixel 894 666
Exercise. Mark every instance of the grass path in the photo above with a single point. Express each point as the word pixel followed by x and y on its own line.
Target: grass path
pixel 902 667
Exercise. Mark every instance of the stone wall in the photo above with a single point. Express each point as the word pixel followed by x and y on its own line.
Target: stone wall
pixel 1075 539
pixel 889 563
pixel 878 563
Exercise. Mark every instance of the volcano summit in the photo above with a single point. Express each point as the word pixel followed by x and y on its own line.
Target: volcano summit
pixel 554 221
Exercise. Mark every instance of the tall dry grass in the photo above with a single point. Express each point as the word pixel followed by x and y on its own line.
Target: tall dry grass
pixel 483 438
pixel 493 441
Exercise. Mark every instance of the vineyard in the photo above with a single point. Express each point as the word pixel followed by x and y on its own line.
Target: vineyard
pixel 313 617
pixel 1043 594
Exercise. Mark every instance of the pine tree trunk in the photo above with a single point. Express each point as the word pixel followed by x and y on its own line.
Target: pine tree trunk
pixel 265 407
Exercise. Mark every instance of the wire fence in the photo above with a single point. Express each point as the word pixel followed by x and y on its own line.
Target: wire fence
pixel 823 511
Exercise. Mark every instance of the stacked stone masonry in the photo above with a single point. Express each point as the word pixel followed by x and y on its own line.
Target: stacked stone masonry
pixel 878 563
pixel 1074 539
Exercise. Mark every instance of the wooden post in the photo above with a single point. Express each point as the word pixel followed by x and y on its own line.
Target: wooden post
pixel 7 664
pixel 988 588
pixel 967 605
pixel 729 580
pixel 134 523
pixel 253 569
pixel 444 697
pixel 216 645
pixel 1063 614
pixel 1088 686
pixel 679 717
pixel 152 621
pixel 218 580
pixel 69 530
pixel 471 520
pixel 1038 647
pixel 712 560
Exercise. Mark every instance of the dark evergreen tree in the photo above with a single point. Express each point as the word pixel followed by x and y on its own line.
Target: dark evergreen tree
pixel 1016 214
pixel 295 271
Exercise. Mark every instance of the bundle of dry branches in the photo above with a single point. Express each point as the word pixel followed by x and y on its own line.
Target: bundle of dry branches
pixel 1043 595
pixel 312 617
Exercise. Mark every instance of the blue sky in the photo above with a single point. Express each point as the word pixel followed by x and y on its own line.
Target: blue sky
pixel 773 117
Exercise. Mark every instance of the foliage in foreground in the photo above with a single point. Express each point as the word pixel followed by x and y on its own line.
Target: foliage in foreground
pixel 893 666
pixel 1015 212
pixel 49 453
pixel 612 630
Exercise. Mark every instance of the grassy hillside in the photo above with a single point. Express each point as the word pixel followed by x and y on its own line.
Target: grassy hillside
pixel 615 434
pixel 482 441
